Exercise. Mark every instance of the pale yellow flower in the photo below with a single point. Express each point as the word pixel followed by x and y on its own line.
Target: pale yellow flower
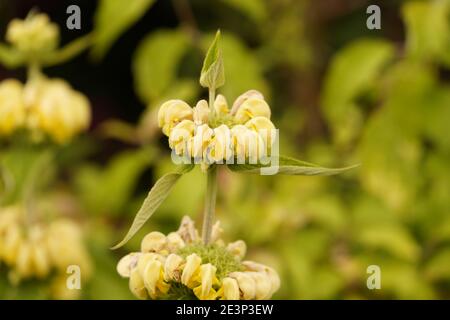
pixel 153 242
pixel 221 106
pixel 199 143
pixel 272 274
pixel 252 108
pixel 174 242
pixel 154 279
pixel 207 277
pixel 56 109
pixel 246 143
pixel 237 249
pixel 246 284
pixel 263 285
pixel 229 289
pixel 171 113
pixel 193 263
pixel 179 137
pixel 12 108
pixel 127 264
pixel 34 34
pixel 137 285
pixel 201 112
pixel 219 147
pixel 264 127
pixel 244 97
pixel 172 267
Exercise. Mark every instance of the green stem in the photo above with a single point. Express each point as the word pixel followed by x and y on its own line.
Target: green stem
pixel 210 203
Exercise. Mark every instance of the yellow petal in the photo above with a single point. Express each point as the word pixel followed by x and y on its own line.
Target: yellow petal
pixel 230 289
pixel 221 106
pixel 153 242
pixel 172 267
pixel 201 112
pixel 244 97
pixel 251 108
pixel 246 284
pixel 193 262
pixel 237 249
pixel 137 285
pixel 172 112
pixel 128 263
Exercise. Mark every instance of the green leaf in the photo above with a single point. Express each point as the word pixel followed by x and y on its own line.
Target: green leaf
pixel 352 72
pixel 213 73
pixel 112 18
pixel 428 28
pixel 155 197
pixel 69 51
pixel 10 57
pixel 156 61
pixel 290 166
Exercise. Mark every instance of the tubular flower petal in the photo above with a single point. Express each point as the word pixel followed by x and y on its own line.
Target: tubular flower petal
pixel 250 94
pixel 273 275
pixel 174 242
pixel 172 267
pixel 221 106
pixel 229 289
pixel 201 112
pixel 179 137
pixel 193 263
pixel 246 284
pixel 137 285
pixel 153 242
pixel 246 143
pixel 263 285
pixel 171 113
pixel 12 108
pixel 128 263
pixel 154 279
pixel 207 277
pixel 252 108
pixel 219 146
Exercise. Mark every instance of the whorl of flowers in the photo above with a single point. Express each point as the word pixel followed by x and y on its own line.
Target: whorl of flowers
pixel 216 134
pixel 45 107
pixel 36 33
pixel 180 266
pixel 33 250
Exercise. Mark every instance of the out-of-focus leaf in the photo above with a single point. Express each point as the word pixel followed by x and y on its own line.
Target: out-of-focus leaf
pixel 156 61
pixel 10 57
pixel 108 191
pixel 255 9
pixel 428 29
pixel 437 267
pixel 112 18
pixel 242 69
pixel 353 71
pixel 391 238
pixel 155 197
pixel 289 166
pixel 437 118
pixel 213 75
pixel 69 51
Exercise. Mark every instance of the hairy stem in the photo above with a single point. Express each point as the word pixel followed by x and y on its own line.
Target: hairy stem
pixel 210 203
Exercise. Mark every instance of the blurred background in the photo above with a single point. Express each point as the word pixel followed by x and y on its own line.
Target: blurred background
pixel 340 94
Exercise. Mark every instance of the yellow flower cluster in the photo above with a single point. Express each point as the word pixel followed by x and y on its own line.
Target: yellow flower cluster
pixel 34 34
pixel 162 266
pixel 44 106
pixel 34 250
pixel 218 134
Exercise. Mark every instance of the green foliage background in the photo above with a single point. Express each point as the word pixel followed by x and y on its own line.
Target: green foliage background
pixel 340 94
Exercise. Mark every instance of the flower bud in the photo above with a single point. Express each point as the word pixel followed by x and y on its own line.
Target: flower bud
pixel 246 284
pixel 35 33
pixel 250 94
pixel 187 230
pixel 193 262
pixel 263 126
pixel 201 112
pixel 216 232
pixel 171 113
pixel 12 108
pixel 251 108
pixel 153 242
pixel 237 249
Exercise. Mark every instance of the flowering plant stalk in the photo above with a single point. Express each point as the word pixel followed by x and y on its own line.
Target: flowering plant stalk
pixel 210 134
